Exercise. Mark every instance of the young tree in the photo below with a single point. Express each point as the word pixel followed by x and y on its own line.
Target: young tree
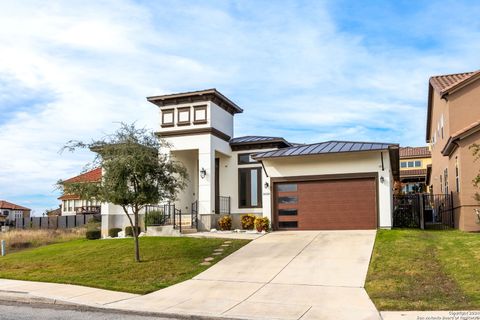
pixel 135 173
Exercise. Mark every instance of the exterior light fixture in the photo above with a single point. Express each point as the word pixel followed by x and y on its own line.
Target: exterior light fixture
pixel 203 173
pixel 266 185
pixel 382 179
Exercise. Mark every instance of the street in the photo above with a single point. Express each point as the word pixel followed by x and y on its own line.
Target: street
pixel 14 311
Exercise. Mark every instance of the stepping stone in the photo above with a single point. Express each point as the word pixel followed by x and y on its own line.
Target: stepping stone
pixel 225 245
pixel 208 259
pixel 228 242
pixel 205 263
pixel 218 250
pixel 217 253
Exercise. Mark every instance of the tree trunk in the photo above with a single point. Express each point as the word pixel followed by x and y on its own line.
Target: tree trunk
pixel 135 236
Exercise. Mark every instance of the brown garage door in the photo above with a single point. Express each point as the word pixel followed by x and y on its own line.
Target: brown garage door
pixel 331 204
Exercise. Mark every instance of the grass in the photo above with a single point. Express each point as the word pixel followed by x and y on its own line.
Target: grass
pixel 109 264
pixel 17 240
pixel 425 270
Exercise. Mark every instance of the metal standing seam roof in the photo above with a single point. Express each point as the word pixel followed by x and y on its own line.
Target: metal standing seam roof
pixel 255 139
pixel 324 148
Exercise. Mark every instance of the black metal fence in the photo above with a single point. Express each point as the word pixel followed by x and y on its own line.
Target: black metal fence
pixel 57 222
pixel 425 211
pixel 162 215
pixel 194 215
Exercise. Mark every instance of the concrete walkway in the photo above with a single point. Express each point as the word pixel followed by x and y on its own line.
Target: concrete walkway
pixel 283 275
pixel 64 292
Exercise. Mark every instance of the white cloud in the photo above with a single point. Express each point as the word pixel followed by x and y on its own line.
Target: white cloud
pixel 72 69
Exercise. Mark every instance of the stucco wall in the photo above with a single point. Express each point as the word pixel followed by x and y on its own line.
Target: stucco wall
pixel 365 162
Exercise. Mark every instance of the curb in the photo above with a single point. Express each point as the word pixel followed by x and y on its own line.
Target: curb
pixel 24 298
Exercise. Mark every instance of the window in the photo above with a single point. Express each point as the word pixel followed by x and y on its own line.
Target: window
pixel 183 116
pixel 287 212
pixel 457 182
pixel 245 158
pixel 418 163
pixel 167 118
pixel 445 179
pixel 289 187
pixel 199 114
pixel 287 224
pixel 410 164
pixel 403 164
pixel 441 126
pixel 249 188
pixel 287 200
pixel 441 184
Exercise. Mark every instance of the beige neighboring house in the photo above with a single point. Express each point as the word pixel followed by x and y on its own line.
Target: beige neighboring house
pixel 72 204
pixel 414 162
pixel 453 125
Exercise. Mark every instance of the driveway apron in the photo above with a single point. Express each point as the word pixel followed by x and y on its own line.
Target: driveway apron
pixel 282 275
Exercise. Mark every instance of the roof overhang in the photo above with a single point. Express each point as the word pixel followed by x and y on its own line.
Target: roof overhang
pixel 196 96
pixel 452 142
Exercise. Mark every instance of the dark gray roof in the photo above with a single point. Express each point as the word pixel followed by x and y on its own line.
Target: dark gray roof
pixel 256 139
pixel 325 147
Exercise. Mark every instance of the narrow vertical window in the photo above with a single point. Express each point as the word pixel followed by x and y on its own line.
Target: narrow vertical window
pixel 249 188
pixel 445 179
pixel 457 182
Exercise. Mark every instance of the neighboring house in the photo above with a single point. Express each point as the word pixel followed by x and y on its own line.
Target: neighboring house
pixel 72 204
pixel 54 212
pixel 327 185
pixel 453 125
pixel 414 162
pixel 9 212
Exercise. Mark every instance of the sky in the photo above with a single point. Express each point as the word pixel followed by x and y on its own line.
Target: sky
pixel 308 71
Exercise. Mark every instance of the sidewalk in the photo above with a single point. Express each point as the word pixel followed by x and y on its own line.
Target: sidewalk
pixel 61 293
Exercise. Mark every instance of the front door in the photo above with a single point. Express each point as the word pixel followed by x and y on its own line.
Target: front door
pixel 217 185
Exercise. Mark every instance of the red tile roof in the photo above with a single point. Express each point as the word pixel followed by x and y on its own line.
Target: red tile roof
pixel 444 83
pixel 413 172
pixel 69 197
pixel 8 205
pixel 89 176
pixel 415 152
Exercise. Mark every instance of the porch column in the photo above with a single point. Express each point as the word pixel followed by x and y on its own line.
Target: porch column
pixel 206 194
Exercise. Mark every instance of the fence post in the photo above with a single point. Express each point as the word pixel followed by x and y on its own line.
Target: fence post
pixel 422 213
pixel 452 210
pixel 4 248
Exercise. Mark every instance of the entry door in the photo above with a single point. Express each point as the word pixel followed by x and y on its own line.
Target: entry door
pixel 217 185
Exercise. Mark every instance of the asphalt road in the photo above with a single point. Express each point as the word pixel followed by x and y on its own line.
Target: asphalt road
pixel 16 311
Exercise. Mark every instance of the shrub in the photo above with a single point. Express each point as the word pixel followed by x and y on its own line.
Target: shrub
pixel 225 223
pixel 129 231
pixel 93 225
pixel 262 223
pixel 93 234
pixel 248 221
pixel 113 232
pixel 154 218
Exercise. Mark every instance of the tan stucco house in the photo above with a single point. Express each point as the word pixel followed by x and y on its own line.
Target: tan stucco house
pixel 453 125
pixel 414 162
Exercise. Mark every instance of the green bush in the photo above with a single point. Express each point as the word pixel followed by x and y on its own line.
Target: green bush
pixel 129 231
pixel 225 223
pixel 154 218
pixel 113 232
pixel 248 221
pixel 262 224
pixel 93 234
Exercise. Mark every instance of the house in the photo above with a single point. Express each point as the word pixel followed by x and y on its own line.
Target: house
pixel 71 204
pixel 414 162
pixel 453 125
pixel 327 185
pixel 9 212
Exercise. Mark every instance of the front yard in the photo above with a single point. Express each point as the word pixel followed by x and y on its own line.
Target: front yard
pixel 109 264
pixel 425 270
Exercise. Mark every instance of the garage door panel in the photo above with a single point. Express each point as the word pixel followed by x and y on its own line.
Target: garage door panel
pixel 332 204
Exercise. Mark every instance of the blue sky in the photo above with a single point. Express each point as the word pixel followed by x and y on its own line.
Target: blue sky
pixel 305 70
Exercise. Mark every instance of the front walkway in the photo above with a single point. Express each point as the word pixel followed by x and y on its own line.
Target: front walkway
pixel 283 275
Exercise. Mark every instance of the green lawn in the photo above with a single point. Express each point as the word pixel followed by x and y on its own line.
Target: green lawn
pixel 425 270
pixel 109 264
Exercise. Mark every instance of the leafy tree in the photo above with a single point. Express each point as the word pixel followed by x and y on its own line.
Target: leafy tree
pixel 135 173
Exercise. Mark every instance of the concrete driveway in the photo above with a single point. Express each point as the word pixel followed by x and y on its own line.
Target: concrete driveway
pixel 282 275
